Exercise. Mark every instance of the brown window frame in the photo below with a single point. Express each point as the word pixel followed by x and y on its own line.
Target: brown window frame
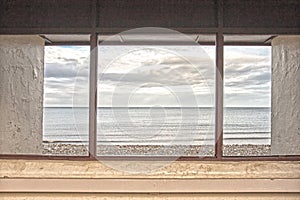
pixel 219 83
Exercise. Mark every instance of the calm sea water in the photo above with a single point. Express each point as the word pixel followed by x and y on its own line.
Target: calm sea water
pixel 158 125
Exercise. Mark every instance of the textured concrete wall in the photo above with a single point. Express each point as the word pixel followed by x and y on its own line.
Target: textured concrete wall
pixel 177 170
pixel 286 95
pixel 21 94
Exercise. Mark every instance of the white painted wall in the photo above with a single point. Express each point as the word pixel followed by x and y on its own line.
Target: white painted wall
pixel 21 94
pixel 286 95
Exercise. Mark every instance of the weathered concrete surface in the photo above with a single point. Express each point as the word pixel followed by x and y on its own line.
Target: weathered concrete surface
pixel 286 95
pixel 182 169
pixel 139 185
pixel 207 177
pixel 21 94
pixel 54 196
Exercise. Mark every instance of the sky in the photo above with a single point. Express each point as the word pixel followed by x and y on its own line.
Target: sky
pixel 157 76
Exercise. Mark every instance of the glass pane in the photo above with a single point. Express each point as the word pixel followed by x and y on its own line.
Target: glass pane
pixel 66 94
pixel 247 101
pixel 156 100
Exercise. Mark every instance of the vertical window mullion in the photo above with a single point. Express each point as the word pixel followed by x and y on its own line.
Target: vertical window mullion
pixel 219 82
pixel 93 95
pixel 219 95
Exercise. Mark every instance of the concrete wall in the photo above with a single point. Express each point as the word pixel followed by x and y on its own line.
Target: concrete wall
pixel 61 179
pixel 21 94
pixel 286 95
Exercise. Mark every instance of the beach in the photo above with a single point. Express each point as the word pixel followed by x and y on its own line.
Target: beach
pixel 155 150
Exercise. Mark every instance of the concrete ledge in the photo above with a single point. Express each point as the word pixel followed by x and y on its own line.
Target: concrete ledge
pixel 206 177
pixel 188 170
pixel 151 185
pixel 126 196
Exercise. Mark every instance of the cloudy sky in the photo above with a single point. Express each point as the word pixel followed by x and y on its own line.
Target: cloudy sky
pixel 157 76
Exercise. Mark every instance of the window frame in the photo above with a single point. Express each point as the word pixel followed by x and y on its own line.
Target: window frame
pixel 219 89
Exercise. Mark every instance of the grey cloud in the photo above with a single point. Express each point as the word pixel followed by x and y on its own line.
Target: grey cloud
pixel 252 87
pixel 230 70
pixel 207 62
pixel 181 75
pixel 62 86
pixel 263 77
pixel 59 70
pixel 68 60
pixel 250 80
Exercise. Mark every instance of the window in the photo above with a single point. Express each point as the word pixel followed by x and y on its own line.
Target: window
pixel 152 101
pixel 247 102
pixel 155 96
pixel 66 86
pixel 260 96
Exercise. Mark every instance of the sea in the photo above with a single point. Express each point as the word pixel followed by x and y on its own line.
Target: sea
pixel 157 125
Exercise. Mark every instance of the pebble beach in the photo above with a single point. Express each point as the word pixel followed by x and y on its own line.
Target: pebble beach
pixel 155 150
